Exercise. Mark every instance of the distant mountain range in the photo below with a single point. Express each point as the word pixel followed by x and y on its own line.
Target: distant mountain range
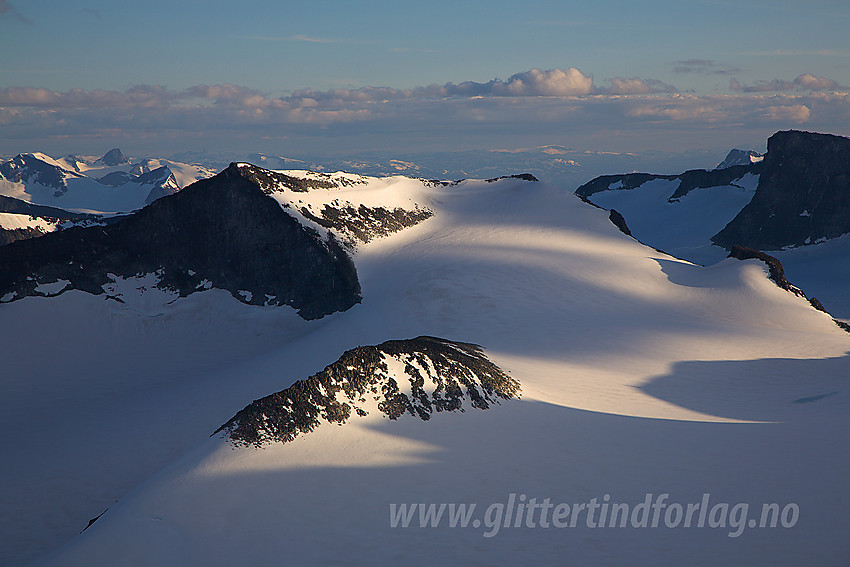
pixel 109 184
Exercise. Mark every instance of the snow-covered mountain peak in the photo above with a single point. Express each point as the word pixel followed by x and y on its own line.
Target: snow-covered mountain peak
pixel 38 168
pixel 110 184
pixel 354 208
pixel 740 157
pixel 418 377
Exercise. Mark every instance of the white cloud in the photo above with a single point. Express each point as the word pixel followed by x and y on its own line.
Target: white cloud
pixel 796 113
pixel 554 82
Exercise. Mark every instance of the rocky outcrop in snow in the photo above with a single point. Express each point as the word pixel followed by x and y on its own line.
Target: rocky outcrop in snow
pixel 417 377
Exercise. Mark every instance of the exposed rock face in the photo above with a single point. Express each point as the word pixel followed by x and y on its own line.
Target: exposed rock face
pixel 12 205
pixel 619 221
pixel 56 218
pixel 362 223
pixel 116 178
pixel 269 181
pixel 415 376
pixel 353 223
pixel 777 274
pixel 803 194
pixel 114 157
pixel 220 232
pixel 688 181
pixel 523 176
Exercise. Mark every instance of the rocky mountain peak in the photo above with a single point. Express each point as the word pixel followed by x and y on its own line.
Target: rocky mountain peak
pixel 803 194
pixel 114 157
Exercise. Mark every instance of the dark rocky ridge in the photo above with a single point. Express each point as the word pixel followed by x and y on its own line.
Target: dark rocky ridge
pixel 803 194
pixel 777 275
pixel 223 230
pixel 775 268
pixel 12 205
pixel 269 181
pixel 362 224
pixel 688 181
pixel 443 375
pixel 353 223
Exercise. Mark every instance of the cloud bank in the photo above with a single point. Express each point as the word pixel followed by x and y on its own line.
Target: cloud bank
pixel 550 105
pixel 806 81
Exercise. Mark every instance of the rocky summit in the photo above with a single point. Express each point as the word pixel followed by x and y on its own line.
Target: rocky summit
pixel 222 232
pixel 803 195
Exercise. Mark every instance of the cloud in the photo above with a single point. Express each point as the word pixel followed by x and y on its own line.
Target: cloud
pixel 635 86
pixel 554 82
pixel 809 81
pixel 806 81
pixel 539 107
pixel 703 67
pixel 797 113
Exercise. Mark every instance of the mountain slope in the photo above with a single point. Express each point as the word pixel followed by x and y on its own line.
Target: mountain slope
pixel 677 213
pixel 641 374
pixel 222 232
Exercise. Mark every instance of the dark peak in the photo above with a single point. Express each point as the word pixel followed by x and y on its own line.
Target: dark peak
pixel 522 176
pixel 158 175
pixel 441 375
pixel 803 195
pixel 787 142
pixel 221 232
pixel 114 157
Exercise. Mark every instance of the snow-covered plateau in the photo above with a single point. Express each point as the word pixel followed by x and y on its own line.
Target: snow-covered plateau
pixel 614 373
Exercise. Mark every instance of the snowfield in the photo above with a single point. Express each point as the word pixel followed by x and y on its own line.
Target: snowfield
pixel 639 373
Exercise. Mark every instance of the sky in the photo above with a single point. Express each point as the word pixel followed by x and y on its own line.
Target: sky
pixel 339 78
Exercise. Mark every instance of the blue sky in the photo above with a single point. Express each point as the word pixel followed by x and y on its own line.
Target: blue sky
pixel 340 77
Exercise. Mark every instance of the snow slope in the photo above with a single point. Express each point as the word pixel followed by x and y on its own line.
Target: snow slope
pixel 640 373
pixel 684 226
